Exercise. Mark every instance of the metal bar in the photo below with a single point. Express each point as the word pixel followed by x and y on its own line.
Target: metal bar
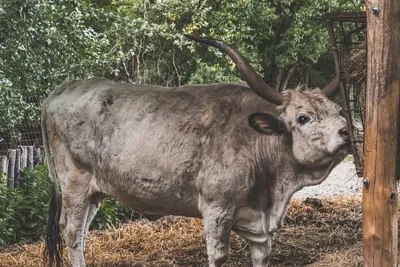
pixel 347 16
pixel 353 109
pixel 349 120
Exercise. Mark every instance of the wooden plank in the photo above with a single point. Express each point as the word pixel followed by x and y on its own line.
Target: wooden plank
pixel 11 154
pixel 17 172
pixel 4 167
pixel 24 157
pixel 30 157
pixel 380 201
pixel 4 164
pixel 24 163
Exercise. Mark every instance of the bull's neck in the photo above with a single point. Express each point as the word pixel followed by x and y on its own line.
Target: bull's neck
pixel 282 176
pixel 273 157
pixel 275 161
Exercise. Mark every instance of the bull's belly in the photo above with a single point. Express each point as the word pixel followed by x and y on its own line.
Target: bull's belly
pixel 161 206
pixel 157 200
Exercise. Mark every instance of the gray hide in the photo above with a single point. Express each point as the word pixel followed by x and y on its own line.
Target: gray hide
pixel 189 151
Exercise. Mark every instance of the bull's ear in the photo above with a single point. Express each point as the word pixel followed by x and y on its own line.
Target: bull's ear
pixel 267 124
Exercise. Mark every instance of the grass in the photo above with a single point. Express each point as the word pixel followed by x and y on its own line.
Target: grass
pixel 315 234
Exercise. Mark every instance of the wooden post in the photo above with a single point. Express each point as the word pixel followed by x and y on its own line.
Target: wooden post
pixel 380 208
pixel 11 154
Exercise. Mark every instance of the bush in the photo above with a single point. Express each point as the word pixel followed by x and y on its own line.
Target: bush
pixel 23 211
pixel 113 213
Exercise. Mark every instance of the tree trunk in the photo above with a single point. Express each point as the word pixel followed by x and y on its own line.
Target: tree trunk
pixel 307 76
pixel 289 73
pixel 278 78
pixel 380 202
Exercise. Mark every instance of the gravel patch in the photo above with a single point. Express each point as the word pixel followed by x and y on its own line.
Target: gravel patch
pixel 342 181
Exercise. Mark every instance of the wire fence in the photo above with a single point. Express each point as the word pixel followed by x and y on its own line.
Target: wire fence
pixel 27 134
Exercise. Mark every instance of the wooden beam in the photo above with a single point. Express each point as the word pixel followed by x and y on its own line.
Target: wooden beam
pixel 380 201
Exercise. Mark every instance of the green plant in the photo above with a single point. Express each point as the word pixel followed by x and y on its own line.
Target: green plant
pixel 23 211
pixel 112 213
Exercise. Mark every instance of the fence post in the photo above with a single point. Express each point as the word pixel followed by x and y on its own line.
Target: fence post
pixel 24 156
pixel 4 164
pixel 380 201
pixel 17 173
pixel 30 157
pixel 11 155
pixel 4 167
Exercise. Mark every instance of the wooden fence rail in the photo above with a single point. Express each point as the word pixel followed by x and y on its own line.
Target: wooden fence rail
pixel 16 160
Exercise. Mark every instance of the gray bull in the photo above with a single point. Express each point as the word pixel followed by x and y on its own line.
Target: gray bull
pixel 229 153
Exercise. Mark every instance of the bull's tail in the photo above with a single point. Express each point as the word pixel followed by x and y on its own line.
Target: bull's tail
pixel 53 250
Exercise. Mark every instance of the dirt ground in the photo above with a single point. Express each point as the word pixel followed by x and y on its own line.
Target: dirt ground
pixel 315 234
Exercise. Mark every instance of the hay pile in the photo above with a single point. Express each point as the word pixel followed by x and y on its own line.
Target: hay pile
pixel 355 73
pixel 355 64
pixel 314 235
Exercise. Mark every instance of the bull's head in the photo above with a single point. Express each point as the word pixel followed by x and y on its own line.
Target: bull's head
pixel 318 132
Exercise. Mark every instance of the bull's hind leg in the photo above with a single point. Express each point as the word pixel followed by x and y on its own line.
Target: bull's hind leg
pixel 76 188
pixel 75 211
pixel 217 227
pixel 92 212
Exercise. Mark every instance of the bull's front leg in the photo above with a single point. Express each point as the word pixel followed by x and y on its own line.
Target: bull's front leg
pixel 260 253
pixel 217 228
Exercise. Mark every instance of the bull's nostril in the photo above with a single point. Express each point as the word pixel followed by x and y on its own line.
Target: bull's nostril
pixel 344 132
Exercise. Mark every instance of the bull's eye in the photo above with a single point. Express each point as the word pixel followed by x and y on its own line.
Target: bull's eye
pixel 303 119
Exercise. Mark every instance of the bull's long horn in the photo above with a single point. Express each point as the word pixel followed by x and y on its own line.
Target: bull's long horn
pixel 331 89
pixel 249 74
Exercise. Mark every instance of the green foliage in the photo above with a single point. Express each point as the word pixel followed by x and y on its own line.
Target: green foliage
pixel 272 34
pixel 23 211
pixel 147 41
pixel 113 213
pixel 42 44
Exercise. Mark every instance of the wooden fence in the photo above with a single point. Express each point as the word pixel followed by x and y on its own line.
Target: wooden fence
pixel 16 160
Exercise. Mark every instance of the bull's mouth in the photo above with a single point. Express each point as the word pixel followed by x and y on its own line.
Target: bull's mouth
pixel 345 147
